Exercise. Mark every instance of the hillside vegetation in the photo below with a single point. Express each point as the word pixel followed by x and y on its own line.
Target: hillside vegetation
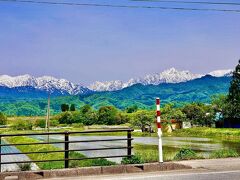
pixel 198 90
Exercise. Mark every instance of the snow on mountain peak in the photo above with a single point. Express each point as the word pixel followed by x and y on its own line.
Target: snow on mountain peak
pixel 220 73
pixel 23 80
pixel 107 86
pixel 48 83
pixel 171 75
pixel 174 76
pixel 168 76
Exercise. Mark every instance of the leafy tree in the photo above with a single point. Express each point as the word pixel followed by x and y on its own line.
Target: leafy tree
pixel 86 115
pixel 199 114
pixel 219 103
pixel 64 107
pixel 54 123
pixel 22 125
pixel 123 118
pixel 66 118
pixel 77 117
pixel 169 113
pixel 132 109
pixel 26 109
pixel 233 98
pixel 143 118
pixel 40 123
pixel 194 112
pixel 107 115
pixel 42 105
pixel 72 107
pixel 86 108
pixel 208 116
pixel 220 106
pixel 90 118
pixel 3 119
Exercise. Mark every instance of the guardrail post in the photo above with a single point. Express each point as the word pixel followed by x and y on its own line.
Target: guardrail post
pixel 129 144
pixel 66 148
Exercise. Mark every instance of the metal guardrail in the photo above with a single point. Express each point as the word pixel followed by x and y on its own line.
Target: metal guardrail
pixel 66 143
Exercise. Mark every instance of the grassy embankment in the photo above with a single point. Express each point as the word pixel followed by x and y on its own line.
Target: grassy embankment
pixel 149 153
pixel 51 156
pixel 208 132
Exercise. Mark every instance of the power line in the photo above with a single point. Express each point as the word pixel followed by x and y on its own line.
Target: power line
pixel 122 6
pixel 191 2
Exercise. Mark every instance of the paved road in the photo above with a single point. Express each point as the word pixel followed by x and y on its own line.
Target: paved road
pixel 220 169
pixel 226 164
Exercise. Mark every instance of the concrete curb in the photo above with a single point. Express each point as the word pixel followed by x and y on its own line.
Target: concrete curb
pixel 87 171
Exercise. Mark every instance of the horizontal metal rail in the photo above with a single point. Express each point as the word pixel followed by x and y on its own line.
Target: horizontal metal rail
pixel 63 142
pixel 73 132
pixel 66 142
pixel 71 150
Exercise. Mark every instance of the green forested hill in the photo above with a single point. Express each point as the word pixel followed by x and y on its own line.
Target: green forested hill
pixel 199 90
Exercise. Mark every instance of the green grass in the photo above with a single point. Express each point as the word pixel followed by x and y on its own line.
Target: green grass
pixel 25 166
pixel 149 153
pixel 54 156
pixel 208 132
pixel 224 153
pixel 135 159
pixel 186 154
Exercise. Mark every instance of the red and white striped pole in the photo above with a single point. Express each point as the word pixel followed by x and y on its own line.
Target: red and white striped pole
pixel 160 151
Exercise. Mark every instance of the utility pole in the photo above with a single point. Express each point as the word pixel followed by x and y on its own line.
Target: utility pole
pixel 47 124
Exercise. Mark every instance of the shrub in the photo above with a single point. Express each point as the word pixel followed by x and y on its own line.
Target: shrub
pixel 66 118
pixel 64 107
pixel 88 162
pixel 185 154
pixel 107 115
pixel 135 159
pixel 224 153
pixel 22 125
pixel 25 166
pixel 54 123
pixel 77 125
pixel 72 107
pixel 40 123
pixel 3 119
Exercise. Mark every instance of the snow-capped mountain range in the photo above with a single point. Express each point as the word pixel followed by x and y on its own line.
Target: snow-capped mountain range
pixel 49 83
pixel 168 76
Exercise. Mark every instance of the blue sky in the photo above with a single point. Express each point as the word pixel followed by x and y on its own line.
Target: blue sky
pixel 85 44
